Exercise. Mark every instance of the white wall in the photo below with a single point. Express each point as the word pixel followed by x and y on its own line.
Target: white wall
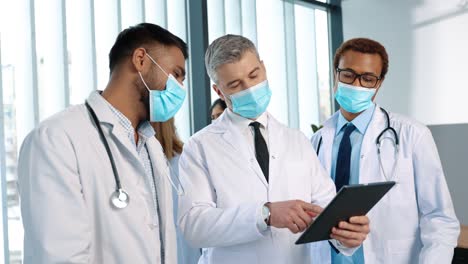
pixel 453 154
pixel 427 42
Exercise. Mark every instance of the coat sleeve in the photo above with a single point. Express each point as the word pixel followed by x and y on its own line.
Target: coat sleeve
pixel 438 223
pixel 56 224
pixel 200 220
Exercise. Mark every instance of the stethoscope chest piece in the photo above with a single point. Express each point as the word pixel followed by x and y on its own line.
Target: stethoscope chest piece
pixel 120 199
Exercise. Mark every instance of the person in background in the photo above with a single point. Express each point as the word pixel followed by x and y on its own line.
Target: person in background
pixel 166 134
pixel 217 109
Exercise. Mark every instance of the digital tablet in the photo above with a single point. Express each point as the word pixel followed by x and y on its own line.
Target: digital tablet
pixel 351 200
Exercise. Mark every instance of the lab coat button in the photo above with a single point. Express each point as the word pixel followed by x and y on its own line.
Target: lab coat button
pixel 153 226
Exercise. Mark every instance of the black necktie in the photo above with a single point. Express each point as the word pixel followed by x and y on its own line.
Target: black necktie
pixel 343 162
pixel 261 149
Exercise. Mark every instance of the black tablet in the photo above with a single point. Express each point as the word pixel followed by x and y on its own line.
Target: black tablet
pixel 351 200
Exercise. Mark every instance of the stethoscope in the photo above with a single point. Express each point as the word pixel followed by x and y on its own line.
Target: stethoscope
pixel 380 138
pixel 120 198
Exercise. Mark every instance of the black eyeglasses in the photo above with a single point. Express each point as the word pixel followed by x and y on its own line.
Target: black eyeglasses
pixel 366 80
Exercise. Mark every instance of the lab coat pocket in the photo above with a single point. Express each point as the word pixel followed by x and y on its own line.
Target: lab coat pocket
pixel 404 171
pixel 399 250
pixel 404 187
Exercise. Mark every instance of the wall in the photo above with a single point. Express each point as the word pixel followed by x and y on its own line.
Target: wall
pixel 427 42
pixel 453 154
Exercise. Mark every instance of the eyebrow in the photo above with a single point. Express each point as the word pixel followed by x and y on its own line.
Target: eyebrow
pixel 254 70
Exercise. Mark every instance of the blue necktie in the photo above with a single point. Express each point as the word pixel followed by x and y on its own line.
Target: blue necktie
pixel 343 162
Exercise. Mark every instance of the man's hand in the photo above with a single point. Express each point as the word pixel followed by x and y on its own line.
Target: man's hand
pixel 353 233
pixel 296 215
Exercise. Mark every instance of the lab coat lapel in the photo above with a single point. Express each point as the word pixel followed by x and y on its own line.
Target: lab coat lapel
pixel 237 141
pixel 114 129
pixel 328 135
pixel 369 161
pixel 121 138
pixel 275 138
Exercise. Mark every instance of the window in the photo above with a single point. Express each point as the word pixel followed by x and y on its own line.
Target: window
pixel 80 56
pixel 292 39
pixel 313 67
pixel 19 114
pixel 177 24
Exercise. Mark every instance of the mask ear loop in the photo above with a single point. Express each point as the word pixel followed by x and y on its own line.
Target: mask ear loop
pixel 143 80
pixel 141 76
pixel 159 66
pixel 163 163
pixel 227 99
pixel 180 191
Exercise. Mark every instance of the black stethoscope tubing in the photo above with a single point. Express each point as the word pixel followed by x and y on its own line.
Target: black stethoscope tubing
pixel 106 145
pixel 377 141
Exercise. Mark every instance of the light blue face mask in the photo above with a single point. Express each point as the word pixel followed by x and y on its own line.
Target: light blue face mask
pixel 252 102
pixel 354 99
pixel 163 105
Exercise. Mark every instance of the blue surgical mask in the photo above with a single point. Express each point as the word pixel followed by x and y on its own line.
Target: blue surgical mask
pixel 354 99
pixel 163 105
pixel 252 102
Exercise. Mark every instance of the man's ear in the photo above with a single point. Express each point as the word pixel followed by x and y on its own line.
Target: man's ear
pixel 138 59
pixel 263 65
pixel 335 81
pixel 263 68
pixel 379 84
pixel 218 91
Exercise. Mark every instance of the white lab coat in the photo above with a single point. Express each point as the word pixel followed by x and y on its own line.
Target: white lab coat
pixel 65 182
pixel 225 191
pixel 185 253
pixel 415 222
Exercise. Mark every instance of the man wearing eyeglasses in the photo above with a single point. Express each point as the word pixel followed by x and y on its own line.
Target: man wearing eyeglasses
pixel 363 143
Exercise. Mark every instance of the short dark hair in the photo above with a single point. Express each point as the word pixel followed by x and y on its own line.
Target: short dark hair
pixel 219 102
pixel 363 45
pixel 140 35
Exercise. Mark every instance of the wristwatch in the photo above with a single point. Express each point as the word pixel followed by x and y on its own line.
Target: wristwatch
pixel 266 214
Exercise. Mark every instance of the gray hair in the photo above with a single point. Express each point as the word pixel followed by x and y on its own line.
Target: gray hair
pixel 226 49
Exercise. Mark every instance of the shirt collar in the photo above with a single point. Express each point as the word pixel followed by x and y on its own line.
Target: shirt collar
pixel 144 128
pixel 361 122
pixel 243 123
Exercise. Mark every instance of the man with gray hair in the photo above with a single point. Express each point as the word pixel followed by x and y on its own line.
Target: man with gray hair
pixel 252 184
